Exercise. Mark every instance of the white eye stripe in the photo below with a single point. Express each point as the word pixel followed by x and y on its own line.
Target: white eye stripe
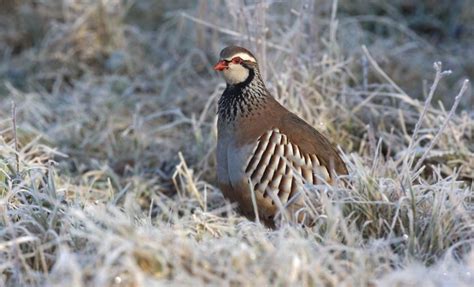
pixel 243 56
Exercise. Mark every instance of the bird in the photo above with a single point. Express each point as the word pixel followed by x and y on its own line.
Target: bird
pixel 265 153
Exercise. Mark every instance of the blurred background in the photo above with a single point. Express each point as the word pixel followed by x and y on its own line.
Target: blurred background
pixel 113 37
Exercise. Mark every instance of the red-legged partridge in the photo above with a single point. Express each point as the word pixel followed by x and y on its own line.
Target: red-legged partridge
pixel 265 153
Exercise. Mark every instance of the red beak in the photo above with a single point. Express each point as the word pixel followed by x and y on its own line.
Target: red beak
pixel 221 65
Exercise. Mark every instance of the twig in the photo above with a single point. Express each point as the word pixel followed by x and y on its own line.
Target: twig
pixel 439 75
pixel 381 72
pixel 15 138
pixel 254 201
pixel 182 169
pixel 445 123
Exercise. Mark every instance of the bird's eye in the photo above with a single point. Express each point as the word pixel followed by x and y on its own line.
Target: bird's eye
pixel 236 60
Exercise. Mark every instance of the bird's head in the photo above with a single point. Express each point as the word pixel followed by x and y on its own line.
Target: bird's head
pixel 236 64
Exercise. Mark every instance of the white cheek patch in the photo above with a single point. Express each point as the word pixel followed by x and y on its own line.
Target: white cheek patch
pixel 235 74
pixel 243 56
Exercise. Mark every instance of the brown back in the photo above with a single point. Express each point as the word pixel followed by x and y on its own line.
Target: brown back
pixel 309 140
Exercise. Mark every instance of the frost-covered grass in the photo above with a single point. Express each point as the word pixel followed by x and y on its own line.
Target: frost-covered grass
pixel 108 134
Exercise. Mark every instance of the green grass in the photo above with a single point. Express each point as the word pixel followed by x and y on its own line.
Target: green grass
pixel 111 181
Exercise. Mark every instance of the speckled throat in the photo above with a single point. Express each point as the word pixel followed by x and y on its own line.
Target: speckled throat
pixel 241 99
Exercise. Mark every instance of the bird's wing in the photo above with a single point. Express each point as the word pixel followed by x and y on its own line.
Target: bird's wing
pixel 310 141
pixel 279 167
pixel 285 153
